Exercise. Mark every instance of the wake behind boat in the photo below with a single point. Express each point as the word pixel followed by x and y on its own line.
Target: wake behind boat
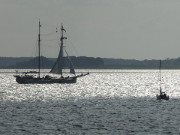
pixel 58 67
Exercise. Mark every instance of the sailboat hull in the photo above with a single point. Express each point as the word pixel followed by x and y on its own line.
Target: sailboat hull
pixel 32 80
pixel 165 97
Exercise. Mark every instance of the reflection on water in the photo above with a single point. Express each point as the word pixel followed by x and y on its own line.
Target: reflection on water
pixel 121 102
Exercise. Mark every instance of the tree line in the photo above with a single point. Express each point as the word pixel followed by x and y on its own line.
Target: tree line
pixel 87 62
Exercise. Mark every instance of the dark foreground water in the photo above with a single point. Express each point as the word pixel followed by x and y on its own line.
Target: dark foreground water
pixel 91 117
pixel 119 102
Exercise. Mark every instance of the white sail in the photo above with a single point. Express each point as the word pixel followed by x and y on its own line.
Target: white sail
pixel 71 64
pixel 72 68
pixel 58 66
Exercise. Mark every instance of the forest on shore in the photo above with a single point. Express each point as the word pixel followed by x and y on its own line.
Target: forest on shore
pixel 87 63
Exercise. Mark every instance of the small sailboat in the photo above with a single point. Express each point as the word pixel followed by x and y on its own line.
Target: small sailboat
pixel 162 95
pixel 58 67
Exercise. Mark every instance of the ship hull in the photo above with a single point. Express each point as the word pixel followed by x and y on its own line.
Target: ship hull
pixel 165 97
pixel 32 80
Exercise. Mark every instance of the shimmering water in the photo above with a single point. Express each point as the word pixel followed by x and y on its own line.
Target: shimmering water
pixel 106 102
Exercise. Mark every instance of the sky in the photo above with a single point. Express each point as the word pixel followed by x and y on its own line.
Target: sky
pixel 128 29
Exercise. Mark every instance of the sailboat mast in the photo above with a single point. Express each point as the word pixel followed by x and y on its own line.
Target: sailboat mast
pixel 62 36
pixel 61 47
pixel 59 64
pixel 39 40
pixel 160 75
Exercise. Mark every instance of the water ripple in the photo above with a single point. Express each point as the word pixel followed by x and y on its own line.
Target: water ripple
pixel 113 102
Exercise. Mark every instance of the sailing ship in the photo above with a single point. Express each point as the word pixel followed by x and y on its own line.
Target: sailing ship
pixel 162 95
pixel 28 78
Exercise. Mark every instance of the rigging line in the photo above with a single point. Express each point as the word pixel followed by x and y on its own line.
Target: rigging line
pixel 34 51
pixel 49 46
pixel 50 39
pixel 71 44
pixel 75 53
pixel 160 73
pixel 74 48
pixel 47 34
pixel 67 46
pixel 71 64
pixel 68 57
pixel 70 50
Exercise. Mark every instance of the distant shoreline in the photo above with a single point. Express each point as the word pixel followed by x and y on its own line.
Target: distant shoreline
pixel 89 70
pixel 84 62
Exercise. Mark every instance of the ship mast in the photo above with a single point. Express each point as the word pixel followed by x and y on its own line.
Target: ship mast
pixel 160 76
pixel 62 37
pixel 61 48
pixel 39 40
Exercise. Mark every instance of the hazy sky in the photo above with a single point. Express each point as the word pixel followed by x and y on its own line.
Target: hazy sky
pixel 131 29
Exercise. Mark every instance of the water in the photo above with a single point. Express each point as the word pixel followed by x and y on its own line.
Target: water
pixel 106 102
